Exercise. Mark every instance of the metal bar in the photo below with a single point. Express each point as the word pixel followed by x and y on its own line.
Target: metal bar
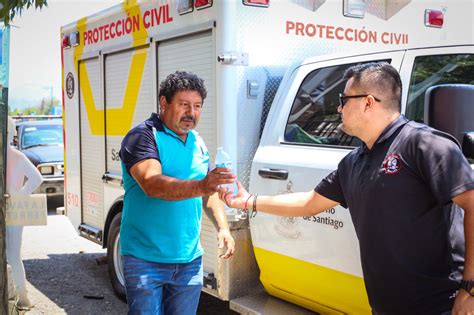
pixel 35 117
pixel 3 144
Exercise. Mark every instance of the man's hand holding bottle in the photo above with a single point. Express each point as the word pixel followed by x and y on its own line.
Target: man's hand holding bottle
pixel 215 179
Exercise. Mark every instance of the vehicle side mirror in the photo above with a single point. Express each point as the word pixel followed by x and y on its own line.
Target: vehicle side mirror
pixel 468 145
pixel 450 108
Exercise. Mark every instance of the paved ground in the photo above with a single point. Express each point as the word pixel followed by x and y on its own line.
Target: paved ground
pixel 64 277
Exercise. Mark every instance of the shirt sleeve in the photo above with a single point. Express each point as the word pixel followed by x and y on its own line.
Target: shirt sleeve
pixel 443 166
pixel 330 187
pixel 139 144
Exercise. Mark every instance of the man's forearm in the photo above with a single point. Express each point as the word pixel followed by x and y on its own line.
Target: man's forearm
pixel 466 201
pixel 221 218
pixel 218 212
pixel 148 174
pixel 169 188
pixel 469 245
pixel 294 204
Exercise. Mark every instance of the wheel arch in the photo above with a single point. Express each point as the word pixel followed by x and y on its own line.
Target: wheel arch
pixel 114 210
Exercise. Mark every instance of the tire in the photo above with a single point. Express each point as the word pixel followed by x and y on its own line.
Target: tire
pixel 113 257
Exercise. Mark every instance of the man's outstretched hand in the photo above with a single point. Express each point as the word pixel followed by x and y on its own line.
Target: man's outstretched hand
pixel 236 201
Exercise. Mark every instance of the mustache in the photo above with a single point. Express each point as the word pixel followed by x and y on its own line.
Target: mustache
pixel 188 118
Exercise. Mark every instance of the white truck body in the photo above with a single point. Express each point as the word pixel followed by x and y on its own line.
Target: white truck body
pixel 320 253
pixel 113 62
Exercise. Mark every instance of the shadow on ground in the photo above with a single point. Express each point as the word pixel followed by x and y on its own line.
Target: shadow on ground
pixel 76 284
pixel 72 283
pixel 65 277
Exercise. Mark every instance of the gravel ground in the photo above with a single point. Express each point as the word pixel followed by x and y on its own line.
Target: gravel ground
pixel 64 276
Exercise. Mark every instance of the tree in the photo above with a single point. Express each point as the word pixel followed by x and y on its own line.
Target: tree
pixel 10 8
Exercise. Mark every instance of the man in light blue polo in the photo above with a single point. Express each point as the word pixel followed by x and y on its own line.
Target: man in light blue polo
pixel 165 167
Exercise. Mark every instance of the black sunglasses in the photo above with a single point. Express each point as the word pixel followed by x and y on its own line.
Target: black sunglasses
pixel 343 98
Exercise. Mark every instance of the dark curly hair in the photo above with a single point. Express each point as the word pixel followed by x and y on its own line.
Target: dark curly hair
pixel 181 81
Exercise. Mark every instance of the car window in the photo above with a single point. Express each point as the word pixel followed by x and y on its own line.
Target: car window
pixel 314 118
pixel 434 70
pixel 41 135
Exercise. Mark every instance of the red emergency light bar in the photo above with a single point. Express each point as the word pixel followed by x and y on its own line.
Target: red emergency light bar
pixel 188 6
pixel 70 40
pixel 257 3
pixel 66 42
pixel 202 4
pixel 434 18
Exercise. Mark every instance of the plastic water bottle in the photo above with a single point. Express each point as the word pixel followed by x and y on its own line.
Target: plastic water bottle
pixel 223 160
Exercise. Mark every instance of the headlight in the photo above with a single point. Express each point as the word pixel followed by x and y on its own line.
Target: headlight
pixel 46 170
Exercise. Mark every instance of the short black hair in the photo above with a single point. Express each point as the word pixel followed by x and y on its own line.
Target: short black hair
pixel 181 81
pixel 379 77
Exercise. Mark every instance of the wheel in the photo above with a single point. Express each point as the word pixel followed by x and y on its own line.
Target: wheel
pixel 114 259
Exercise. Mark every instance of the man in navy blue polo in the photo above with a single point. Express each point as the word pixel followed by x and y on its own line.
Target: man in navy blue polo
pixel 403 187
pixel 165 167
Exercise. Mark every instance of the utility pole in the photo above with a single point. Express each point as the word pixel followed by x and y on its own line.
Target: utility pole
pixel 11 9
pixel 4 61
pixel 3 258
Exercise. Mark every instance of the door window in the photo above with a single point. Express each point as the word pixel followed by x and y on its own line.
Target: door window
pixel 314 118
pixel 435 70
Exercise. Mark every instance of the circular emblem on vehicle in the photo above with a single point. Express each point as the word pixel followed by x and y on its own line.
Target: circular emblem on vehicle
pixel 392 164
pixel 70 85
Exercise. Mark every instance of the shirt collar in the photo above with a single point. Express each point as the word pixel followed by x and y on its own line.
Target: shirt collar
pixel 155 121
pixel 159 125
pixel 390 129
pixel 387 132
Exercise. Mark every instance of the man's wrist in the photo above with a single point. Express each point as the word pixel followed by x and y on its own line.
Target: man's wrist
pixel 200 188
pixel 468 286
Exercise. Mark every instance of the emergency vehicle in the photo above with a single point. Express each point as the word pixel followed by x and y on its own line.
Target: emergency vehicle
pixel 113 62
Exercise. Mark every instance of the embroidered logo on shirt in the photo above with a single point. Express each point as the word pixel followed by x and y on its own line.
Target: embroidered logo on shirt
pixel 392 164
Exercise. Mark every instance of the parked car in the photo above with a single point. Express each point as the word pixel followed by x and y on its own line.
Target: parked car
pixel 42 142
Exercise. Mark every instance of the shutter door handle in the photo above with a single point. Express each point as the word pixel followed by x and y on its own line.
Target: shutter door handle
pixel 107 177
pixel 273 173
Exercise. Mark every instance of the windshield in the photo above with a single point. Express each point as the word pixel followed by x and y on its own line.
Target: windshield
pixel 42 135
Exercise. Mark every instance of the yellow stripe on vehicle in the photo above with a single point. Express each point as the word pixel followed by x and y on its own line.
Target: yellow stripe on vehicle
pixel 119 120
pixel 312 286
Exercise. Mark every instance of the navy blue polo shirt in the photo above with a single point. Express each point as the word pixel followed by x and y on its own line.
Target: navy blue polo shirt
pixel 410 233
pixel 154 229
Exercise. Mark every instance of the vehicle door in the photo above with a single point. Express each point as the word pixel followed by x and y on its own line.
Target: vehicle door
pixel 301 145
pixel 424 68
pixel 128 101
pixel 91 141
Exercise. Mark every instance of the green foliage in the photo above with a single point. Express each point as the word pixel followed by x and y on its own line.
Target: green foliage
pixel 434 70
pixel 11 8
pixel 451 68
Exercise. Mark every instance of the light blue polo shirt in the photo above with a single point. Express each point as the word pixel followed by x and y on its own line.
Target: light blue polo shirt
pixel 154 229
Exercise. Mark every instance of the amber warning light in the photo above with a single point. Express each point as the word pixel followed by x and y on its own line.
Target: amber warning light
pixel 434 18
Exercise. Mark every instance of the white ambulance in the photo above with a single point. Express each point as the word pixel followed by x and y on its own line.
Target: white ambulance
pixel 113 62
